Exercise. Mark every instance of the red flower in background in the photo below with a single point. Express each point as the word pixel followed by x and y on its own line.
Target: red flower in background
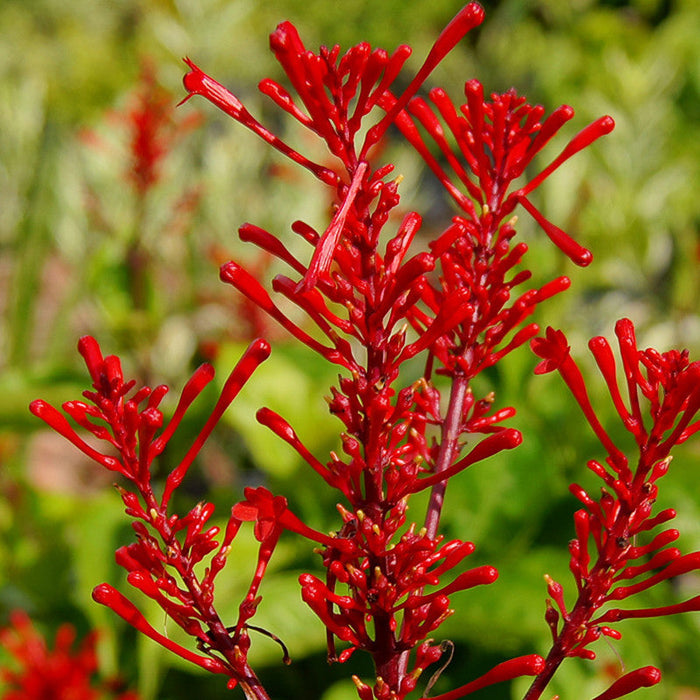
pixel 59 673
pixel 152 126
pixel 153 129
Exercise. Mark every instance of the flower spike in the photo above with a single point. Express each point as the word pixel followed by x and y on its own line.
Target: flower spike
pixel 496 141
pixel 161 562
pixel 393 316
pixel 604 553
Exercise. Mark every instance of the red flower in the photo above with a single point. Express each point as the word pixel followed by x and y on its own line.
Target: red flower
pixel 58 673
pixel 553 349
pixel 336 92
pixel 377 305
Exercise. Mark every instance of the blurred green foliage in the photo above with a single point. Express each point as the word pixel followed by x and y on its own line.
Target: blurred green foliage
pixel 68 216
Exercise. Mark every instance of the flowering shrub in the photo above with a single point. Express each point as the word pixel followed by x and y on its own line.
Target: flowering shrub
pixel 373 301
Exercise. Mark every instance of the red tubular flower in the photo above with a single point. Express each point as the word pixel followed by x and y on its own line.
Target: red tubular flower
pixel 663 399
pixel 529 665
pixel 106 595
pixel 640 678
pixel 505 439
pixel 59 673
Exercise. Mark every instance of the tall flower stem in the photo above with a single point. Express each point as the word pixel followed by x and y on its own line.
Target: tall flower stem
pixel 448 450
pixel 452 425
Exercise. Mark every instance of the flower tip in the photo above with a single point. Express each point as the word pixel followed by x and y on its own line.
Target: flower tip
pixel 260 349
pixel 566 112
pixel 513 439
pixel 584 258
pixel 470 16
pixel 597 344
pixel 475 88
pixel 38 407
pixel 624 329
pixel 89 348
pixel 640 678
pixel 228 272
pixel 607 124
pixel 192 80
pixel 103 594
pixel 473 13
pixel 490 574
pixel 534 664
pixel 650 674
pixel 283 34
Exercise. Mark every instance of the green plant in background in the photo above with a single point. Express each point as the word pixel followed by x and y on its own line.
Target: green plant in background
pixel 635 61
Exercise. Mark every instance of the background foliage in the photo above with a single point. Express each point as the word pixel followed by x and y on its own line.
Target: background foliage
pixel 69 220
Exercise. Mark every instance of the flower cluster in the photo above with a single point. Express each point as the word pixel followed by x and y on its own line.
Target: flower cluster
pixel 336 92
pixel 163 561
pixel 58 673
pixel 494 142
pixel 152 130
pixel 608 560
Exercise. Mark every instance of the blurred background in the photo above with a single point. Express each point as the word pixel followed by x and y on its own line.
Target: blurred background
pixel 100 235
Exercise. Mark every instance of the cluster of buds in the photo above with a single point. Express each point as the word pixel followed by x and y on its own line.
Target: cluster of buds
pixel 606 555
pixel 495 142
pixel 60 673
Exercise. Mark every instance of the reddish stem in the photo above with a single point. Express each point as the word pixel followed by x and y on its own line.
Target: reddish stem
pixel 590 599
pixel 221 639
pixel 448 450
